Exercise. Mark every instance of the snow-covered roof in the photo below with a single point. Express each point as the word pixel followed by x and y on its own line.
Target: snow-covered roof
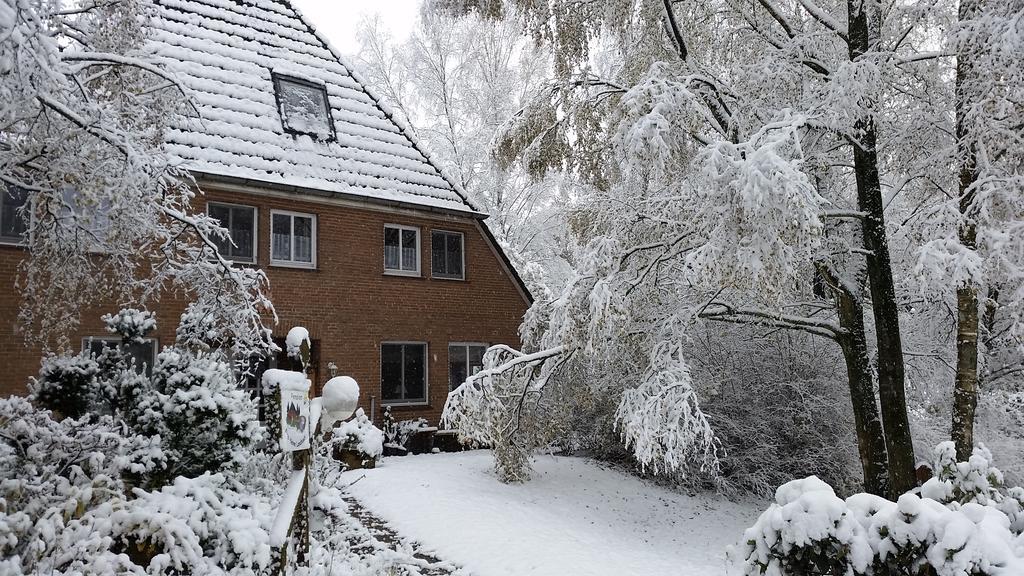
pixel 224 52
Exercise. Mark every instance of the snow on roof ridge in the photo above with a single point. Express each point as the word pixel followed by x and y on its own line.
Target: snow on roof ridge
pixel 404 127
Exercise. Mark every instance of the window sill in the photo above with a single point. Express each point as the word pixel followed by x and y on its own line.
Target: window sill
pixel 421 404
pixel 449 278
pixel 293 265
pixel 12 243
pixel 404 273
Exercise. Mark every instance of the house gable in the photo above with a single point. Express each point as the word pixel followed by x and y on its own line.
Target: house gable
pixel 231 55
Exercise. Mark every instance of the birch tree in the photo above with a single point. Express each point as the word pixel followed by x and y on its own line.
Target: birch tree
pixel 980 250
pixel 749 159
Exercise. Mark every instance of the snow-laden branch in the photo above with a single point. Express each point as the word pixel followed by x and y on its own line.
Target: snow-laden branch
pixel 726 313
pixel 661 421
pixel 825 19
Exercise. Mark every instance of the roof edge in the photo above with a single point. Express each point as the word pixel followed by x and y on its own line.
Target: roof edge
pixel 521 286
pixel 202 177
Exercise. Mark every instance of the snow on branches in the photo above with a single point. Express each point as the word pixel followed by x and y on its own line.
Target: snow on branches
pixel 758 209
pixel 82 120
pixel 503 406
pixel 661 420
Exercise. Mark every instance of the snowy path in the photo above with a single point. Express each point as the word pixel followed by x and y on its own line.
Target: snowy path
pixel 575 517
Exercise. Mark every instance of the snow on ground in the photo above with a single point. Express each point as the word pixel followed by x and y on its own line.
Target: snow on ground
pixel 573 517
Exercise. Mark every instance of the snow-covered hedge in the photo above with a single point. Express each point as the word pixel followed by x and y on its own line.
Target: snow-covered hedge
pixel 65 508
pixel 963 523
pixel 191 404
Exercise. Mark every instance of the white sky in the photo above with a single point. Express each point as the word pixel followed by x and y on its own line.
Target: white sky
pixel 337 19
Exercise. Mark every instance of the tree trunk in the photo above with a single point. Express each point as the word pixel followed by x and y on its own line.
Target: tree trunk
pixel 965 387
pixel 899 445
pixel 870 436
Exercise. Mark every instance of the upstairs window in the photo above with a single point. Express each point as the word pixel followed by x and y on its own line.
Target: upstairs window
pixel 401 250
pixel 240 222
pixel 292 239
pixel 304 107
pixel 446 255
pixel 13 222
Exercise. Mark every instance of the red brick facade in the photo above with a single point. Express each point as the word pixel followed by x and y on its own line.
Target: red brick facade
pixel 347 302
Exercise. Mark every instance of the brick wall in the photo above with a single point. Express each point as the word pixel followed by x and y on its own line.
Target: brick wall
pixel 347 302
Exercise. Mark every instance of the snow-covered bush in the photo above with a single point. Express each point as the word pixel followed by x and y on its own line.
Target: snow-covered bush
pixel 809 530
pixel 67 384
pixel 191 403
pixel 975 481
pixel 204 420
pixel 398 433
pixel 191 525
pixel 52 473
pixel 66 506
pixel 358 441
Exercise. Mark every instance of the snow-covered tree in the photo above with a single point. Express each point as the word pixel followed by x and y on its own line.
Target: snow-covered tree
pixel 754 163
pixel 977 245
pixel 105 213
pixel 504 407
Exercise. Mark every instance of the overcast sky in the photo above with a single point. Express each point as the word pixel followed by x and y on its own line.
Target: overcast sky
pixel 337 19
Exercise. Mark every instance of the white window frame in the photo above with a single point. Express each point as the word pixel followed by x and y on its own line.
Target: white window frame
pixel 419 253
pixel 11 240
pixel 462 237
pixel 465 345
pixel 426 373
pixel 292 263
pixel 255 228
pixel 117 341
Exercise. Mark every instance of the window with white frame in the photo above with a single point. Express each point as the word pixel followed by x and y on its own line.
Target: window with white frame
pixel 403 372
pixel 142 353
pixel 240 222
pixel 446 255
pixel 401 250
pixel 13 218
pixel 292 239
pixel 464 360
pixel 304 107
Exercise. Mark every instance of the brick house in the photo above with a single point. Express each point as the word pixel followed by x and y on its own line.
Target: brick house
pixel 386 263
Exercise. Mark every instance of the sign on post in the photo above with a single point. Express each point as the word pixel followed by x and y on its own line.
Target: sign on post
pixel 293 393
pixel 294 420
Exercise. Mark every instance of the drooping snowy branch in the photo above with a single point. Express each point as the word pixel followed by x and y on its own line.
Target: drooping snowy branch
pixel 660 420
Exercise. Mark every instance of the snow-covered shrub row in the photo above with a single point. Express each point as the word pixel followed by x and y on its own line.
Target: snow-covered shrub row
pixel 65 509
pixel 961 523
pixel 190 405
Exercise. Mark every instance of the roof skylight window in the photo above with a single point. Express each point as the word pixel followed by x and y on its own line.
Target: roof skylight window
pixel 303 106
